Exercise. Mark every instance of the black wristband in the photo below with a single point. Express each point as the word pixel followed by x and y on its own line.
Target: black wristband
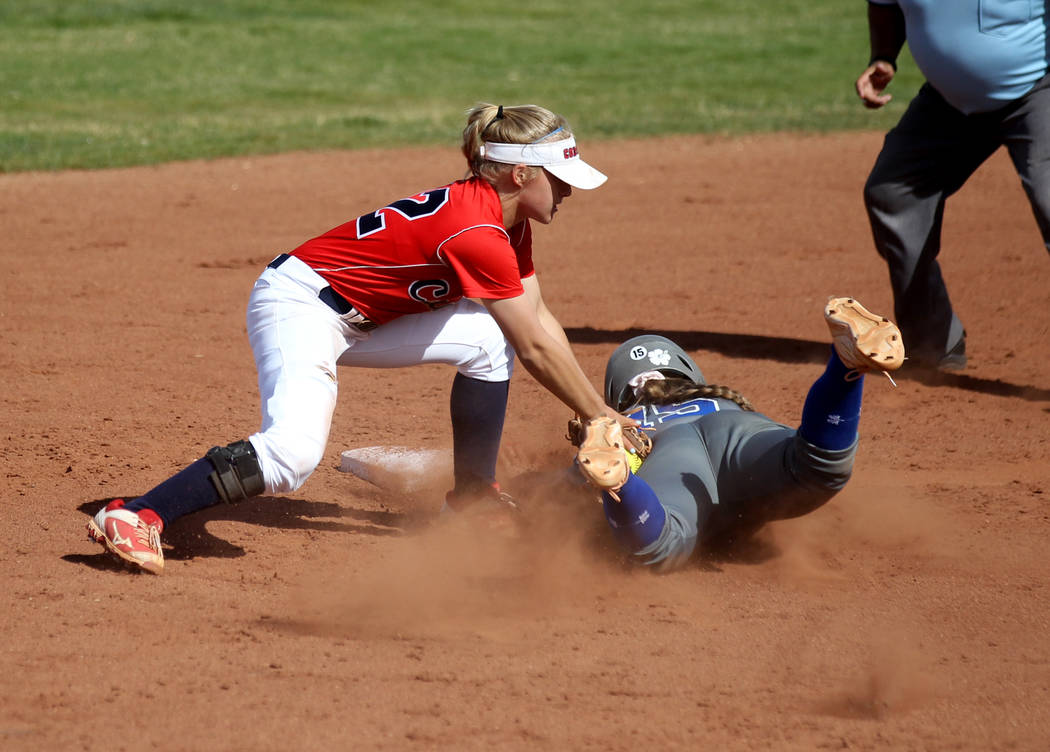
pixel 877 58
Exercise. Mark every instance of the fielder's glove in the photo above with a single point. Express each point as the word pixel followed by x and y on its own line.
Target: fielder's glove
pixel 637 441
pixel 608 451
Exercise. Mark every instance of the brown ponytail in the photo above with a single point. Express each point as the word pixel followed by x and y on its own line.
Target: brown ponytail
pixel 673 391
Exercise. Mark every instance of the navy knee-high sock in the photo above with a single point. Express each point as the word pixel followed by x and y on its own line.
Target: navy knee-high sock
pixel 185 492
pixel 832 410
pixel 637 519
pixel 478 409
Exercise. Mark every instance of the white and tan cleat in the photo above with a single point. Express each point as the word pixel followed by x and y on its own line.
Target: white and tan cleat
pixel 865 342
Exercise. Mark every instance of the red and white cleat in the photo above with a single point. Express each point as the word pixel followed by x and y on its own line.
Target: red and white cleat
pixel 133 536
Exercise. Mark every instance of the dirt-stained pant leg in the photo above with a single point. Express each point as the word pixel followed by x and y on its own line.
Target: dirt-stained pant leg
pixel 733 470
pixel 296 340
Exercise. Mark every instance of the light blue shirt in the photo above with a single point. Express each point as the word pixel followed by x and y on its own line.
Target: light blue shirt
pixel 979 54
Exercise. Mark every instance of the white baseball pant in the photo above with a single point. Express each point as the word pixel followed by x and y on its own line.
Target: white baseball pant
pixel 298 342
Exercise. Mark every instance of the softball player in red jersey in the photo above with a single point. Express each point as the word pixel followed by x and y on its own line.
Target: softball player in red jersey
pixel 443 276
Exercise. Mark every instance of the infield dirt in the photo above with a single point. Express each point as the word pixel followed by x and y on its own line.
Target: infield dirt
pixel 910 613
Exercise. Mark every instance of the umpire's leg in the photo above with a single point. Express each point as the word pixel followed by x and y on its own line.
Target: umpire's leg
pixel 1026 132
pixel 925 159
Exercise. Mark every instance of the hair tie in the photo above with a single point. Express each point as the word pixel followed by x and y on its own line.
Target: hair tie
pixel 499 116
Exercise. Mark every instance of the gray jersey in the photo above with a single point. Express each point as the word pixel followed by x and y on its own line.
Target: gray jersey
pixel 718 469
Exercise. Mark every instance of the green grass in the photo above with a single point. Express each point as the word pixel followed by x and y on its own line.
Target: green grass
pixel 102 83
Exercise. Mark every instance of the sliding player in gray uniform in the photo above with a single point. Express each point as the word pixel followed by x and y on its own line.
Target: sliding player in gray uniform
pixel 717 468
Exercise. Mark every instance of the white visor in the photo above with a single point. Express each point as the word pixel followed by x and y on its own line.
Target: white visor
pixel 559 158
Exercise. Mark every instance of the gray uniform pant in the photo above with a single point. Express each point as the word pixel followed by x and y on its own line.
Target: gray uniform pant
pixel 926 158
pixel 730 472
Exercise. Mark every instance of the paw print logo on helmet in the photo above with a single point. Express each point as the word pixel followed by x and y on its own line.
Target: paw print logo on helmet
pixel 648 352
pixel 659 357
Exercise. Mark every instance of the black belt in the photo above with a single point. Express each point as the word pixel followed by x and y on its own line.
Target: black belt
pixel 335 301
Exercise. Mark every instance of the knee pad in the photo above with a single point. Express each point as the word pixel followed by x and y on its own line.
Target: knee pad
pixel 237 473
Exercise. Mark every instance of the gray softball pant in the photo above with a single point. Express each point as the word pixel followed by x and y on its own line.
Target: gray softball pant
pixel 730 472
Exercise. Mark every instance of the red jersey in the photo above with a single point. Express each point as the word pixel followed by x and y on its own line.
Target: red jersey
pixel 424 252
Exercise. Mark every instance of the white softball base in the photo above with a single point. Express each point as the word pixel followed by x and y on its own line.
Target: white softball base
pixel 398 468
